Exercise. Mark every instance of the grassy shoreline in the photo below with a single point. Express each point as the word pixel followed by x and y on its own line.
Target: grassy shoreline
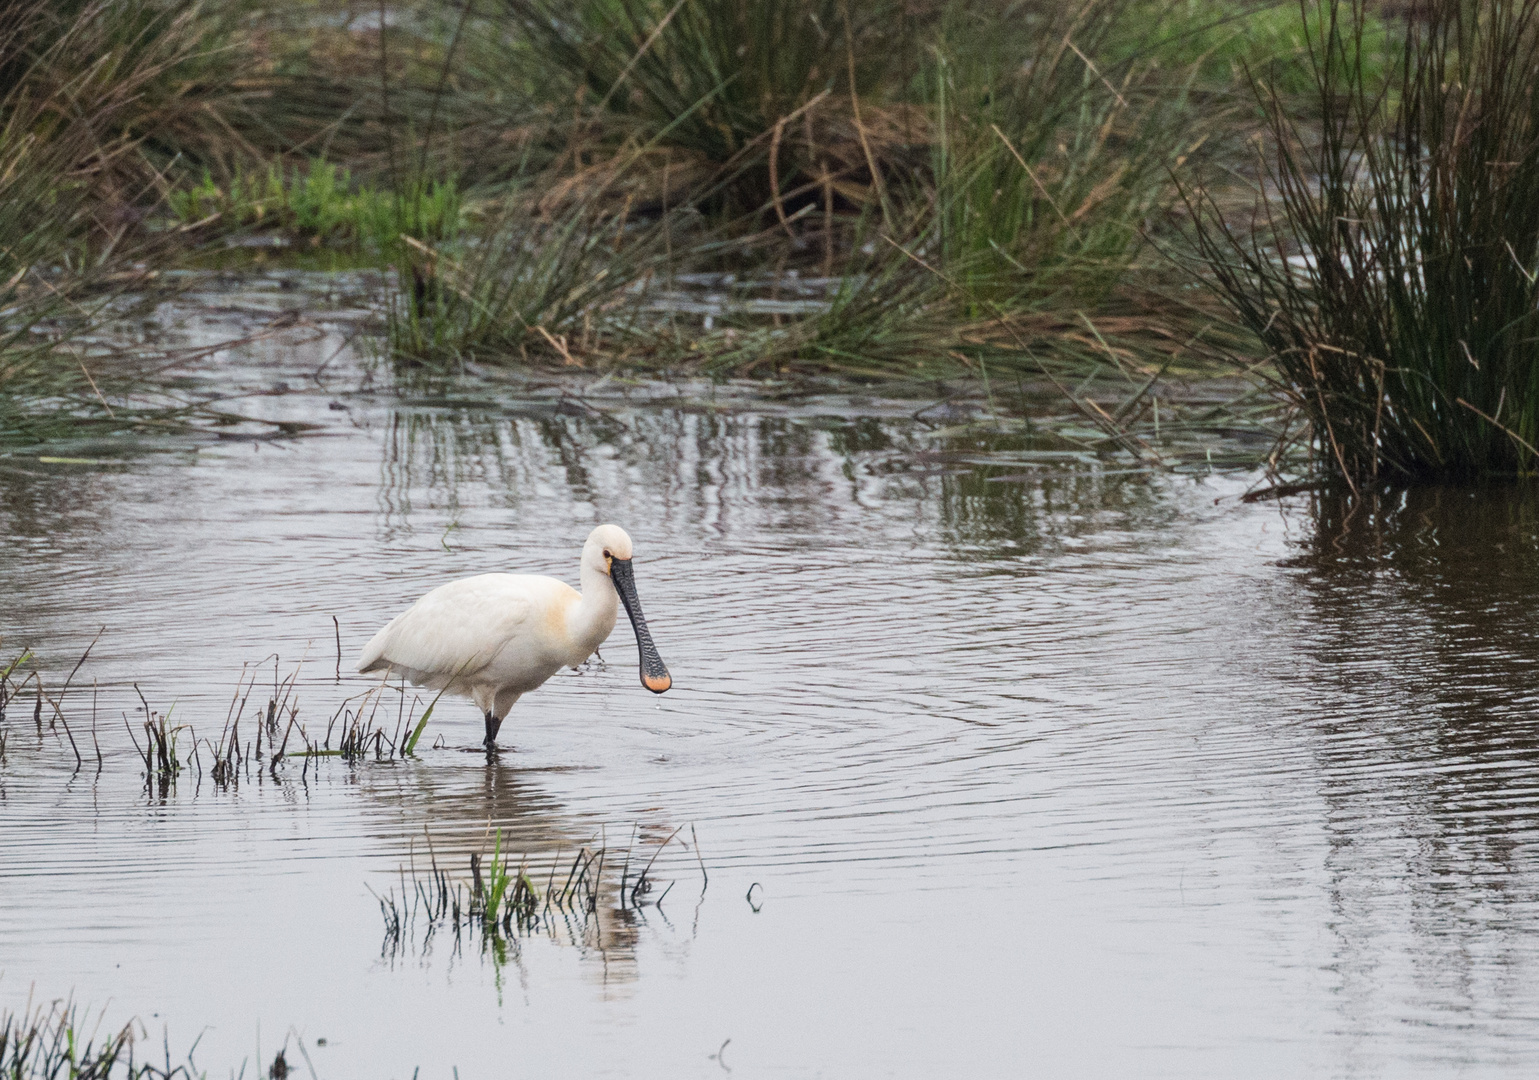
pixel 985 192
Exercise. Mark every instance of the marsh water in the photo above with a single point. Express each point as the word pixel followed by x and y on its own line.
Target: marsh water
pixel 999 762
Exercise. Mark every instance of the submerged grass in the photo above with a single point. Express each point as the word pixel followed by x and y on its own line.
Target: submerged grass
pixel 505 901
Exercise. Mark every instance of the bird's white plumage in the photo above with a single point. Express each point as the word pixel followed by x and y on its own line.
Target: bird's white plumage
pixel 480 632
pixel 495 637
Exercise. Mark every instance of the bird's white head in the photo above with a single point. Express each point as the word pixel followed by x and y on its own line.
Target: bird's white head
pixel 608 551
pixel 605 544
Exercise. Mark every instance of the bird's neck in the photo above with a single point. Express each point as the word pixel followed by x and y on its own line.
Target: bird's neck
pixel 590 620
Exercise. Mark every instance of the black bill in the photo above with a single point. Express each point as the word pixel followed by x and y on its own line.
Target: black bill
pixel 654 673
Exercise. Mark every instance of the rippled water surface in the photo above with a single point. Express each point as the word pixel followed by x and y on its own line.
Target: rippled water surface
pixel 1040 769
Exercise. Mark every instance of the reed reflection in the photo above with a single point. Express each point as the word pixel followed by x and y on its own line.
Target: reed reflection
pixel 697 473
pixel 706 474
pixel 997 512
pixel 1419 621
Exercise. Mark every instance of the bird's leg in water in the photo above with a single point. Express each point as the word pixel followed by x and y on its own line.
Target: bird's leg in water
pixel 492 724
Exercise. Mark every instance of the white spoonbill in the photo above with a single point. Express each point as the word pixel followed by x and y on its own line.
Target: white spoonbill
pixel 495 637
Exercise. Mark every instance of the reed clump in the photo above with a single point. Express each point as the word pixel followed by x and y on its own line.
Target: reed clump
pixel 362 728
pixel 527 285
pixel 742 99
pixel 58 1041
pixel 1391 266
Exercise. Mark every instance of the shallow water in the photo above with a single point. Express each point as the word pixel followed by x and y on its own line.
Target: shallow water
pixel 1059 770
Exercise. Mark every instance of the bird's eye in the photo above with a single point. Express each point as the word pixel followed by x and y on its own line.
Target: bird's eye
pixel 607 555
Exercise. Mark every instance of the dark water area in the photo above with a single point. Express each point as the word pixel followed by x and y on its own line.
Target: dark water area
pixel 1039 765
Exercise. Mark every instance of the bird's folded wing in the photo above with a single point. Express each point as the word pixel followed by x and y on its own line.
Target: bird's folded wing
pixel 452 632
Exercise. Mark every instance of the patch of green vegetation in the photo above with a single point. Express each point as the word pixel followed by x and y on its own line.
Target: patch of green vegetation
pixel 1226 43
pixel 321 203
pixel 983 172
pixel 979 183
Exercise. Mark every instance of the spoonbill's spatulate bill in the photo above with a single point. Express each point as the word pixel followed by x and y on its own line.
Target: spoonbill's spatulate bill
pixel 495 637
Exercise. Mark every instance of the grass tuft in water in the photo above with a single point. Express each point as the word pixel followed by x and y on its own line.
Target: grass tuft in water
pixel 505 900
pixel 551 285
pixel 58 1041
pixel 500 902
pixel 1391 266
pixel 262 729
pixel 162 765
